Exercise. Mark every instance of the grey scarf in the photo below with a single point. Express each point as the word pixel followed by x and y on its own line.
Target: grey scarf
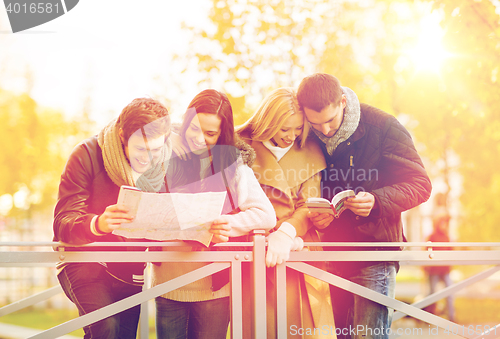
pixel 349 124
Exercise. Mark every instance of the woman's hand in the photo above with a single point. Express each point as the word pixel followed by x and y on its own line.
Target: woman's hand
pixel 298 244
pixel 112 218
pixel 220 229
pixel 279 245
pixel 179 148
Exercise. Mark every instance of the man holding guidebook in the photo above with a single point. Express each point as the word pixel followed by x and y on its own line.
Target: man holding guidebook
pixel 370 152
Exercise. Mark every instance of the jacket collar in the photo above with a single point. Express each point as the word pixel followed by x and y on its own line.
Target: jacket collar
pixel 246 151
pixel 269 171
pixel 296 166
pixel 360 131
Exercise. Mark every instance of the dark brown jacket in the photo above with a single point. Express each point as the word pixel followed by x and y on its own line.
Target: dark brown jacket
pixel 85 191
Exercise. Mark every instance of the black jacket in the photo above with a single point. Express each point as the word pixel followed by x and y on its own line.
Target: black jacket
pixel 378 158
pixel 85 191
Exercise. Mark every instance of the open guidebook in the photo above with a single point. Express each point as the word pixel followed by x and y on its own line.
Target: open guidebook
pixel 170 216
pixel 334 207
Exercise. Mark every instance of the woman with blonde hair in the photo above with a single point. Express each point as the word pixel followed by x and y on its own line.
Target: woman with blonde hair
pixel 288 168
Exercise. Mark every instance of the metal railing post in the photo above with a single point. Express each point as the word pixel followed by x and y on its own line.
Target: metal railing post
pixel 144 318
pixel 280 290
pixel 257 309
pixel 259 276
pixel 236 300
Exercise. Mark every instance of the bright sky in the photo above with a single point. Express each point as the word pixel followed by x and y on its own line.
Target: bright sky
pixel 429 54
pixel 112 51
pixel 109 50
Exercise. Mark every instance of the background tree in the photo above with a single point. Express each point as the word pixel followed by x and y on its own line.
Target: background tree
pixel 471 88
pixel 382 50
pixel 251 47
pixel 36 142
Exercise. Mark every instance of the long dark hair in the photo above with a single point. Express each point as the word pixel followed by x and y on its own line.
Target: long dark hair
pixel 224 153
pixel 211 101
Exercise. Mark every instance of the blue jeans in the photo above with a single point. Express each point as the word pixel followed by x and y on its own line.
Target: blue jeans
pixel 90 287
pixel 193 320
pixel 357 317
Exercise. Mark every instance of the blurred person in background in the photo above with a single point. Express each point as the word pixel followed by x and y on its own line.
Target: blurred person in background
pixel 440 225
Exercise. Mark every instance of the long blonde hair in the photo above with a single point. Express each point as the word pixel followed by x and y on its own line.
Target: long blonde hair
pixel 267 120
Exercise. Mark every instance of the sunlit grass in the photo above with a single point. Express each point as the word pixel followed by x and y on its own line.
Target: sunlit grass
pixel 45 319
pixel 467 310
pixel 42 319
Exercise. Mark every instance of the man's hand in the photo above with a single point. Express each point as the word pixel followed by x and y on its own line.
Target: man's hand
pixel 362 204
pixel 320 220
pixel 220 229
pixel 112 218
pixel 179 148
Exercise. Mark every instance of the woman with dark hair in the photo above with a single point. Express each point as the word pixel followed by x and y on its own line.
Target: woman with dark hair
pixel 216 163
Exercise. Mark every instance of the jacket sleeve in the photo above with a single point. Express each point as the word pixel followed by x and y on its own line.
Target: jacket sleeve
pixel 405 181
pixel 309 188
pixel 256 211
pixel 72 221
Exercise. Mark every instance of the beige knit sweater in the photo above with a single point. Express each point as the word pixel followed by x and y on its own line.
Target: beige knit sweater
pixel 256 213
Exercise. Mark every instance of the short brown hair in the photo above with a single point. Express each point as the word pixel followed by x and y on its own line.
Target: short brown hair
pixel 141 112
pixel 319 90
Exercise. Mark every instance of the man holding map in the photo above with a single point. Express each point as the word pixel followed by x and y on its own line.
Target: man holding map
pixel 132 150
pixel 370 152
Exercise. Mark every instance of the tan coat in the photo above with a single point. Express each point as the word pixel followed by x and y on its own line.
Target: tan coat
pixel 288 183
